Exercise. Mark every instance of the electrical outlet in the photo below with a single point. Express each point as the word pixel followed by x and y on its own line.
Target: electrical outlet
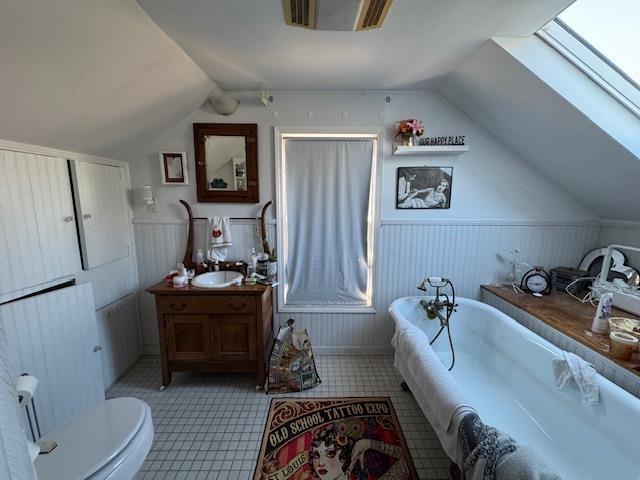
pixel 275 114
pixel 309 114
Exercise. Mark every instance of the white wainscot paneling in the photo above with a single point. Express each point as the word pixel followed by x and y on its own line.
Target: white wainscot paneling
pixel 120 336
pixel 160 246
pixel 467 254
pixel 405 254
pixel 622 235
pixel 52 336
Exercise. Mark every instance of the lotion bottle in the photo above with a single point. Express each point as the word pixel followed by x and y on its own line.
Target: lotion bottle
pixel 601 320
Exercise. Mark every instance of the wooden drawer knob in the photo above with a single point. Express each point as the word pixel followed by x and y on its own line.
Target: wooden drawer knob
pixel 233 306
pixel 178 306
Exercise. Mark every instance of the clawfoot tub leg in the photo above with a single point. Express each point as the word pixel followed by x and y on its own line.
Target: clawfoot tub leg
pixel 405 387
pixel 454 472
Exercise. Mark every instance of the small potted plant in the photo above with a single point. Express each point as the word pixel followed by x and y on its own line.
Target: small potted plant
pixel 408 130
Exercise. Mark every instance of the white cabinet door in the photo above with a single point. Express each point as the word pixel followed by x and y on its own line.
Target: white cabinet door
pixel 37 230
pixel 53 202
pixel 53 336
pixel 101 205
pixel 120 336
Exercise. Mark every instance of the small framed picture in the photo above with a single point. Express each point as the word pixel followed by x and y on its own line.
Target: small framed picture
pixel 173 168
pixel 420 188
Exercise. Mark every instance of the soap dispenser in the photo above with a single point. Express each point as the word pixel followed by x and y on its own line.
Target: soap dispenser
pixel 253 260
pixel 200 266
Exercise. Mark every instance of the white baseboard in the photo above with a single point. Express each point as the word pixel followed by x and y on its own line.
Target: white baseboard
pixel 320 351
pixel 349 350
pixel 151 350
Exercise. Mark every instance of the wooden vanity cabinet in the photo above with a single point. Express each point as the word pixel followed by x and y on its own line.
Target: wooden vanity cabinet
pixel 214 330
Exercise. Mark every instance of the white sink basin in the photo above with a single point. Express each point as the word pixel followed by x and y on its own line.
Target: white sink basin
pixel 215 279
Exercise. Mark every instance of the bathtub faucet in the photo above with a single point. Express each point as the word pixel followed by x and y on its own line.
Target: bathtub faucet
pixel 435 306
pixel 441 306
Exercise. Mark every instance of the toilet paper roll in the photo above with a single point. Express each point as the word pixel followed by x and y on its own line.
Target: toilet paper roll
pixel 34 450
pixel 26 387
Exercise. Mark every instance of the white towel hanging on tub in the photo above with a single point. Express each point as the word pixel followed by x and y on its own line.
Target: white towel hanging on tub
pixel 433 387
pixel 573 370
pixel 220 238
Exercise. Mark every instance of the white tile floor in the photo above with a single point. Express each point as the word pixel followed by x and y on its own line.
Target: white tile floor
pixel 209 426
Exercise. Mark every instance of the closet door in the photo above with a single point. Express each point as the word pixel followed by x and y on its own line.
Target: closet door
pixel 54 336
pixel 37 229
pixel 102 211
pixel 53 203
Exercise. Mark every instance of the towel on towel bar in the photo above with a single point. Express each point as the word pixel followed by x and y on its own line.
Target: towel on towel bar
pixel 571 370
pixel 220 238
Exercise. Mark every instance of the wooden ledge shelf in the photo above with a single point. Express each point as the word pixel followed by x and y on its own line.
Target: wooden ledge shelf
pixel 430 150
pixel 570 317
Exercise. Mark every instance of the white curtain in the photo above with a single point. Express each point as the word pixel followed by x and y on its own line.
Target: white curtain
pixel 327 201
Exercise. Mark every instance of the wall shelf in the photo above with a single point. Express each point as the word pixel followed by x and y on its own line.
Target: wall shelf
pixel 431 150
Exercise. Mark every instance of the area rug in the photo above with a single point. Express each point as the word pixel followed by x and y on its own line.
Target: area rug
pixel 347 438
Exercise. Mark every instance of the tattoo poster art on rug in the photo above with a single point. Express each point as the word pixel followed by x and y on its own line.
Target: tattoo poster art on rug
pixel 353 438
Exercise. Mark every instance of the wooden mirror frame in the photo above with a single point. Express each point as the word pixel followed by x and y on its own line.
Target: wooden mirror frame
pixel 250 133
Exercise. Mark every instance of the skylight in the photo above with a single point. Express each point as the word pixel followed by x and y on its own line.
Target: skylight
pixel 612 28
pixel 602 39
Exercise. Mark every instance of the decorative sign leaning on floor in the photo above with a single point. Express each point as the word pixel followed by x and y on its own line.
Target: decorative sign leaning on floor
pixel 424 187
pixel 333 438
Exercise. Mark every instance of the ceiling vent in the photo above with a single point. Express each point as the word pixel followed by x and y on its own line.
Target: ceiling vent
pixel 300 13
pixel 373 13
pixel 336 15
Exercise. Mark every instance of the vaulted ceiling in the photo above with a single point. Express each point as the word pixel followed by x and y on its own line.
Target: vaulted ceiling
pixel 563 124
pixel 108 77
pixel 92 76
pixel 245 44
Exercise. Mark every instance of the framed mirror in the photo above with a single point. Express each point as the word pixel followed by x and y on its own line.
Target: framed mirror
pixel 226 162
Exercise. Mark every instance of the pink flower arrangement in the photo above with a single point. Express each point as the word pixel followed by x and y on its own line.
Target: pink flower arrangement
pixel 410 128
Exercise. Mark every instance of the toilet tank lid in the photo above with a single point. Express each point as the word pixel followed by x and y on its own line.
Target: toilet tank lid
pixel 91 440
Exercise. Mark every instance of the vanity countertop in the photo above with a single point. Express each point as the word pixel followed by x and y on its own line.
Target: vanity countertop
pixel 164 288
pixel 568 316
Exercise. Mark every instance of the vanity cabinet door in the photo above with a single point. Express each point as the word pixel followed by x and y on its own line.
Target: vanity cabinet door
pixel 234 337
pixel 188 337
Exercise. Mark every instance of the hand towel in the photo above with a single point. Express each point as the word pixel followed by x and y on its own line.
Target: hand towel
pixel 571 370
pixel 220 238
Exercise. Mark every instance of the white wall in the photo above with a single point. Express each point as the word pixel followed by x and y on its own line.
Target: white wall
pixel 489 182
pixel 498 202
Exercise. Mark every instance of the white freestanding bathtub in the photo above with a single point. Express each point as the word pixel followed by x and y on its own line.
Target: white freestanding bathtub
pixel 504 372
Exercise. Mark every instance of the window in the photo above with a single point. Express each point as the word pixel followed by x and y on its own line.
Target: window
pixel 602 39
pixel 326 221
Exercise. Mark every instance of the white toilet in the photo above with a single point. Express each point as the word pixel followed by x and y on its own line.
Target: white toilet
pixel 108 441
